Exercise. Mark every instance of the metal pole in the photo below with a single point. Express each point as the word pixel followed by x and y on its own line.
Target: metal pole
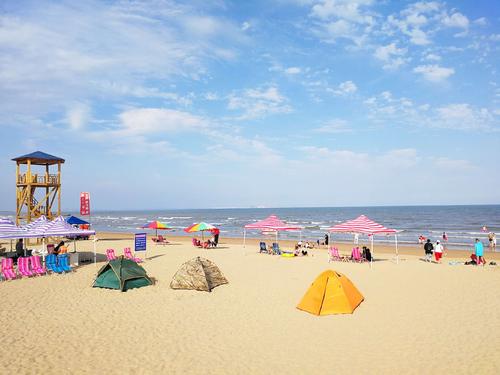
pixel 373 252
pixel 95 251
pixel 397 251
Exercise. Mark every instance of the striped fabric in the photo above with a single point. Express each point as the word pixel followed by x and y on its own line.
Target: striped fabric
pixel 37 226
pixel 9 230
pixel 272 223
pixel 361 225
pixel 59 227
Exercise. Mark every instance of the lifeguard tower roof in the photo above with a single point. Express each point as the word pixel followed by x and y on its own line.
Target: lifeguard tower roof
pixel 39 158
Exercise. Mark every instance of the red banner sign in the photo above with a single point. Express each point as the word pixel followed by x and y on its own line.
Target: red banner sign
pixel 84 204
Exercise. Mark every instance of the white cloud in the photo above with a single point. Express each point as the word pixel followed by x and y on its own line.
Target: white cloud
pixel 432 57
pixel 211 96
pixel 391 56
pixel 463 116
pixel 456 20
pixel 350 10
pixel 350 20
pixel 434 73
pixel 245 26
pixel 334 126
pixel 90 47
pixel 293 70
pixel 258 102
pixel 344 88
pixel 158 120
pixel 481 21
pixel 78 115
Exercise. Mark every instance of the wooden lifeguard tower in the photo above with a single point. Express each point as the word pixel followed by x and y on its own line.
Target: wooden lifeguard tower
pixel 36 187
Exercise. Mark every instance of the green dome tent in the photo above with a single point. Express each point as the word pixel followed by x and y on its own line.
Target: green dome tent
pixel 123 274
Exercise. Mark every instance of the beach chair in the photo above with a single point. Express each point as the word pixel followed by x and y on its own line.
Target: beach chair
pixel 110 254
pixel 160 240
pixel 356 255
pixel 333 254
pixel 36 265
pixel 23 267
pixel 8 272
pixel 63 261
pixel 276 248
pixel 128 254
pixel 51 263
pixel 263 248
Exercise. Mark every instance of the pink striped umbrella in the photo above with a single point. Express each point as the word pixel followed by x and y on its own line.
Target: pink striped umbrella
pixel 271 223
pixel 361 225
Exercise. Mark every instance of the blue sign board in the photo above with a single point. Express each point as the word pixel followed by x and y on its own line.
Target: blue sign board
pixel 140 242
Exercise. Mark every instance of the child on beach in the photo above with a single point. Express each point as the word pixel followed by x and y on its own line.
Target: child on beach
pixel 438 251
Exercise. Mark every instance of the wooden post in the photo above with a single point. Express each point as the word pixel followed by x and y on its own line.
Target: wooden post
pixel 47 190
pixel 17 193
pixel 29 196
pixel 59 188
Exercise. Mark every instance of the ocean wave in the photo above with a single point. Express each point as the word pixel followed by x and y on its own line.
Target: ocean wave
pixel 174 217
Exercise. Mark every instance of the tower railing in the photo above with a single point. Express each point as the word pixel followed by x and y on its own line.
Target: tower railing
pixel 52 179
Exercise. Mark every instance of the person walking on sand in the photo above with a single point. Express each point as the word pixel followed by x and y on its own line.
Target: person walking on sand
pixel 478 247
pixel 428 247
pixel 438 251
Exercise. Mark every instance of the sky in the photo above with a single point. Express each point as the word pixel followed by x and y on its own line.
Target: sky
pixel 276 103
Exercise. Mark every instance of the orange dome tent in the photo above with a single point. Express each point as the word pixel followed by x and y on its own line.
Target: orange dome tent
pixel 331 293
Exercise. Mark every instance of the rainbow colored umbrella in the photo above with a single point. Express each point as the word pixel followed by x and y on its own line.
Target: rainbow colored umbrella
pixel 156 225
pixel 199 227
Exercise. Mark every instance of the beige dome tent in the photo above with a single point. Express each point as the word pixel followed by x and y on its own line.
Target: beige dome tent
pixel 198 274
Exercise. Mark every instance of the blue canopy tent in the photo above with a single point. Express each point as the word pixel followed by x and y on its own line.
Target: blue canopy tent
pixel 73 220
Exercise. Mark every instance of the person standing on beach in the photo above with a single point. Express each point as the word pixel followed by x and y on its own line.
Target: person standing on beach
pixel 428 247
pixel 493 241
pixel 326 239
pixel 438 251
pixel 445 237
pixel 478 247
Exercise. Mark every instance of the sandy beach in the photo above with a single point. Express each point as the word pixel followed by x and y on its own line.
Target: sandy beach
pixel 416 318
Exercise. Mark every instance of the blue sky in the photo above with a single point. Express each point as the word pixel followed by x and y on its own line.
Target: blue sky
pixel 166 104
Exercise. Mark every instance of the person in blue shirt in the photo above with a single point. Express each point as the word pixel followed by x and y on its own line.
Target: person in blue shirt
pixel 479 252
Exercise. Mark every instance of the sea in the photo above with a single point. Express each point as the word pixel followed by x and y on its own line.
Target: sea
pixel 462 224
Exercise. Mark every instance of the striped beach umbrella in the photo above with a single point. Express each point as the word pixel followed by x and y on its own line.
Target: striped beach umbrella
pixel 156 225
pixel 200 227
pixel 362 225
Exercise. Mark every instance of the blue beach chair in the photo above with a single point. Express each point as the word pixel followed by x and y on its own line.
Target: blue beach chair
pixel 63 261
pixel 263 248
pixel 276 248
pixel 51 263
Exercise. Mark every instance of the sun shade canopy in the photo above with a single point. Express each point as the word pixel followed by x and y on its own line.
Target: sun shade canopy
pixel 362 225
pixel 272 223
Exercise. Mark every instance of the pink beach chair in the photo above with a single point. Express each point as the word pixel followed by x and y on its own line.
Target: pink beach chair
pixel 128 254
pixel 110 254
pixel 8 269
pixel 23 267
pixel 356 255
pixel 36 265
pixel 333 254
